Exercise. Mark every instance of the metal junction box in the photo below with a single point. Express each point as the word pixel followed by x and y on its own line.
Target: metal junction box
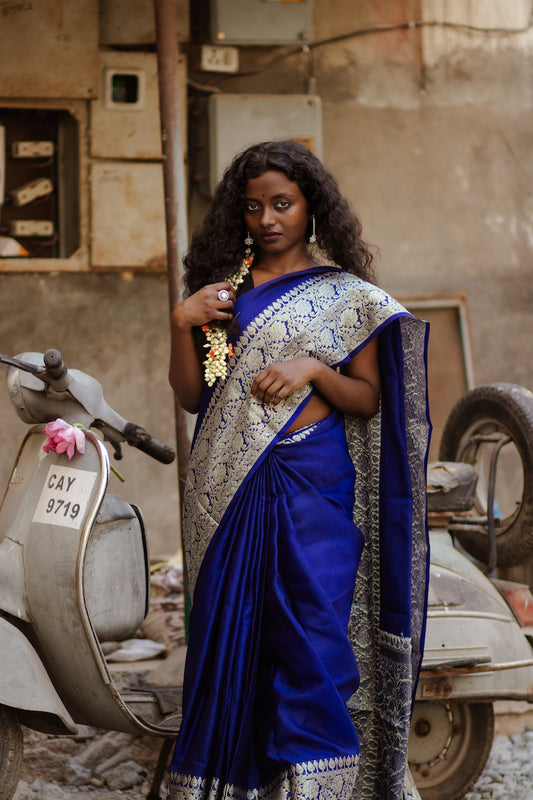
pixel 126 125
pixel 239 120
pixel 39 172
pixel 128 214
pixel 252 22
pixel 126 176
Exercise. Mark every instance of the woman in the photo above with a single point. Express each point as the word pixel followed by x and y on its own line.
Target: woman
pixel 311 437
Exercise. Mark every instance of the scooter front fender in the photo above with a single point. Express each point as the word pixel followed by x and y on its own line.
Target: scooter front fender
pixel 475 649
pixel 26 686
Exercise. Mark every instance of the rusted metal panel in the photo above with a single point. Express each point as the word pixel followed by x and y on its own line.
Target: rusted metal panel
pixel 131 22
pixel 49 48
pixel 122 132
pixel 127 215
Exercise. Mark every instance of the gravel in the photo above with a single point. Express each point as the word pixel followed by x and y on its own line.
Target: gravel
pixel 508 774
pixel 117 766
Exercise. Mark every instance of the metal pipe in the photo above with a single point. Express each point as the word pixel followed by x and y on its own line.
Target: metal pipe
pixel 173 145
pixel 175 209
pixel 174 182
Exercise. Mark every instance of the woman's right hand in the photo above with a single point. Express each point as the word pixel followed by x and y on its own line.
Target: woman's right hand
pixel 204 306
pixel 186 373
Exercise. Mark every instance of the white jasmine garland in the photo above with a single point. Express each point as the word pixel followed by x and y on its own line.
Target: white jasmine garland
pixel 216 364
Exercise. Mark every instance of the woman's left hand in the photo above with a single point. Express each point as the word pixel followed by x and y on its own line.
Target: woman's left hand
pixel 278 380
pixel 353 390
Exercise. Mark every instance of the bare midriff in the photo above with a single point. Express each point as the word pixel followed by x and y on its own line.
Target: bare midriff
pixel 315 410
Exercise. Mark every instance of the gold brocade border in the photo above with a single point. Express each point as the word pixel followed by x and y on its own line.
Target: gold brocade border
pixel 328 316
pixel 322 779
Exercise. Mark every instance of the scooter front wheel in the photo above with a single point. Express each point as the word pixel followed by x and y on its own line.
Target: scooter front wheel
pixel 11 747
pixel 449 745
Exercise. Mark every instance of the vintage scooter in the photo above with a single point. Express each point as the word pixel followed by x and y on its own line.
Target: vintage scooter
pixel 74 574
pixel 479 628
pixel 73 571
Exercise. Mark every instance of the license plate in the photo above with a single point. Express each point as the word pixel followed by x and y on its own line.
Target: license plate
pixel 64 497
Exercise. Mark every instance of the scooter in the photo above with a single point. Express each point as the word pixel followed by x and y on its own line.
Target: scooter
pixel 479 636
pixel 74 570
pixel 74 574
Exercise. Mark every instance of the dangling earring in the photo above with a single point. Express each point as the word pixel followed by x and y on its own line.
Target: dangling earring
pixel 248 242
pixel 312 238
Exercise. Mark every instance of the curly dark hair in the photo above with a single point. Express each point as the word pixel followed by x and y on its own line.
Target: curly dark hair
pixel 217 246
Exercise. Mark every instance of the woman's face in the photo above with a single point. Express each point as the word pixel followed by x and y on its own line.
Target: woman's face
pixel 275 212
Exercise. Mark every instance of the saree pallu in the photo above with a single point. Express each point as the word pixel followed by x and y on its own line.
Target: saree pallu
pixel 271 551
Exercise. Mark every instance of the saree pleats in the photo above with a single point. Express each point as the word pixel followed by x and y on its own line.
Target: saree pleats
pixel 269 666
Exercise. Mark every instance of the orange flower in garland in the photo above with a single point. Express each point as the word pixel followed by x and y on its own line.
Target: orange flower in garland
pixel 219 350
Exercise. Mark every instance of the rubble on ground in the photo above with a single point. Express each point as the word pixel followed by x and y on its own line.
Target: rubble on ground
pixel 110 765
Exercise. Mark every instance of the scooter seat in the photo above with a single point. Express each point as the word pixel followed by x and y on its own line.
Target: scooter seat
pixel 451 486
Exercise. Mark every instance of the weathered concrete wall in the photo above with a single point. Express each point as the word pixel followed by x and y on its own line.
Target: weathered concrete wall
pixel 429 132
pixel 112 324
pixel 438 165
pixel 115 328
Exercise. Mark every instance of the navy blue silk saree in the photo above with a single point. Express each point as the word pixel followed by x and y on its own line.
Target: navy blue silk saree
pixel 276 528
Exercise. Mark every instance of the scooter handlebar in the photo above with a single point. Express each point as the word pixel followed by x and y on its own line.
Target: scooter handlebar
pixel 54 374
pixel 88 400
pixel 138 437
pixel 54 364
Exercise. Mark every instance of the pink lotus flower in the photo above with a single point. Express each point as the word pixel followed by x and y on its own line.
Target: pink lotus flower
pixel 63 437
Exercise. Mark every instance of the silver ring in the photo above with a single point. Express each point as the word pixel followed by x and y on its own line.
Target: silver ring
pixel 223 295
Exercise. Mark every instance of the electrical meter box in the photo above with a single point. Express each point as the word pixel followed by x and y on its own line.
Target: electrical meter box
pixel 39 181
pixel 239 120
pixel 252 22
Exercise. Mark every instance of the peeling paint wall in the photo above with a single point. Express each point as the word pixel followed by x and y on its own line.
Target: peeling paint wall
pixel 105 306
pixel 428 128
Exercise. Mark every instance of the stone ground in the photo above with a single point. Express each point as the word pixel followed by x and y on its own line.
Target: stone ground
pixel 106 765
pixel 118 766
pixel 508 774
pixel 95 764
